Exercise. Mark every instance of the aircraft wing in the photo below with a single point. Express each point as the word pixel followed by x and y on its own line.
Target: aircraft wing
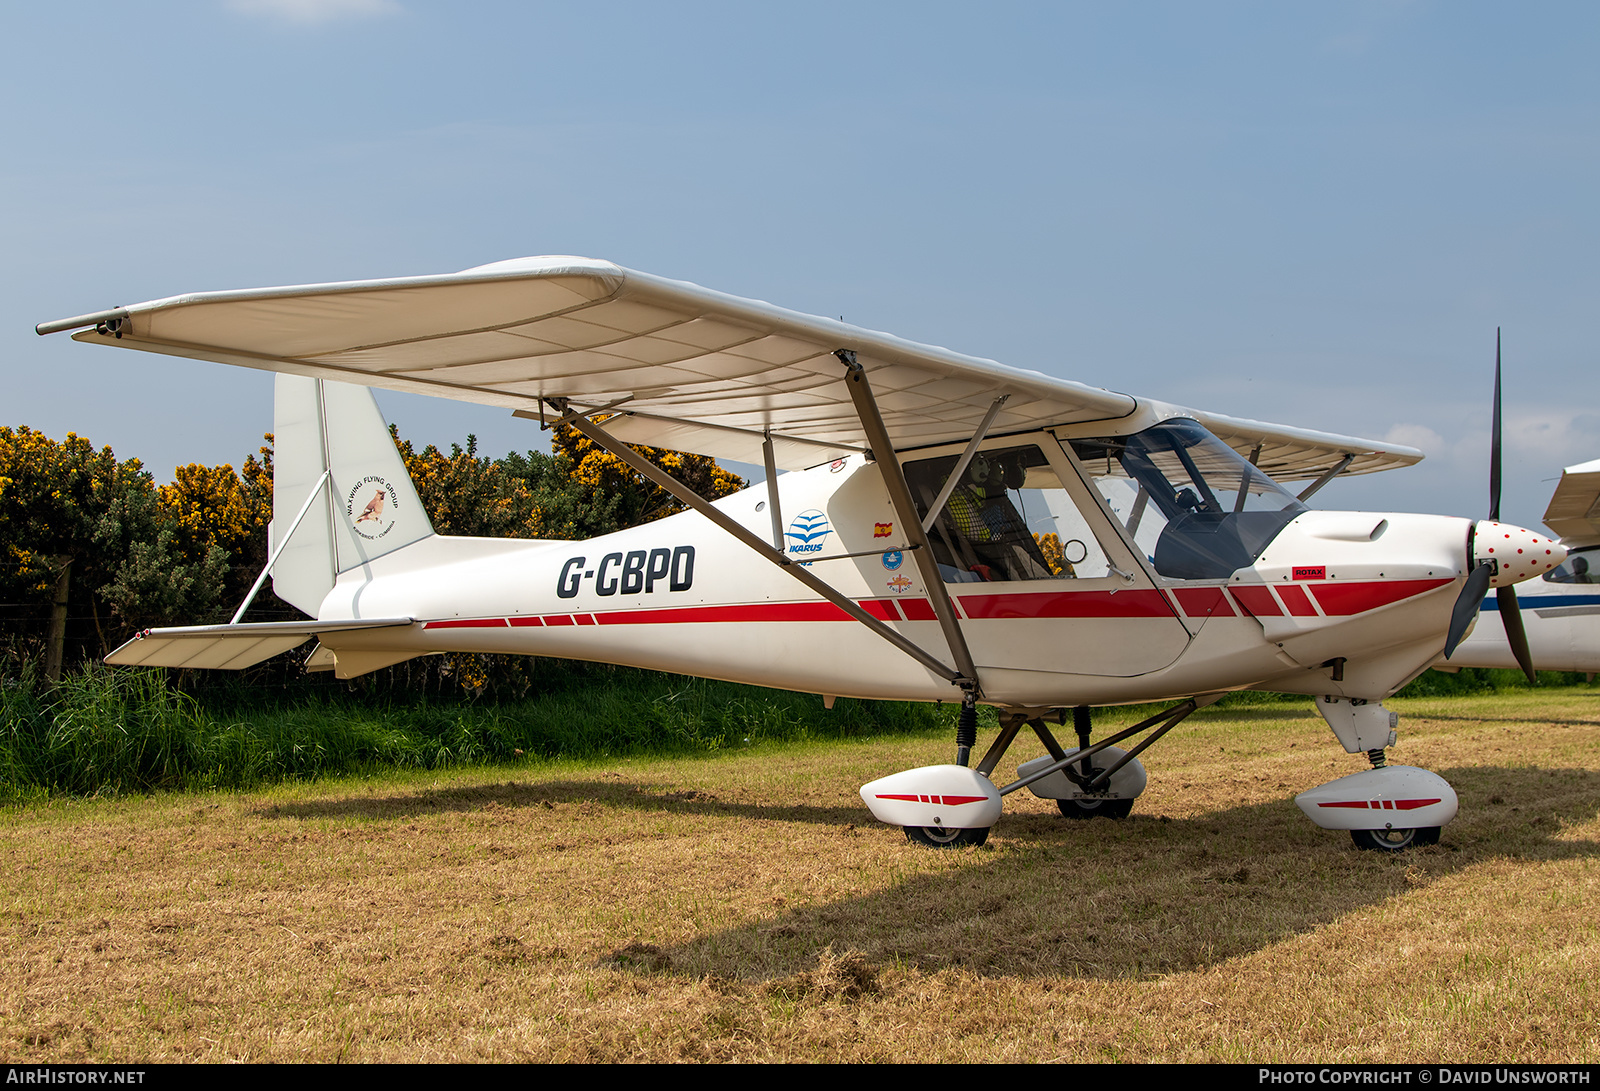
pixel 1574 511
pixel 692 369
pixel 229 647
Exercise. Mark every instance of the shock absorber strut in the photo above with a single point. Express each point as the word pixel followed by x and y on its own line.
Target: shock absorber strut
pixel 967 728
pixel 1083 725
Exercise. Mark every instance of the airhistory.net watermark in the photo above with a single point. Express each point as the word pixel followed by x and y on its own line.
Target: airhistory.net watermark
pixel 71 1074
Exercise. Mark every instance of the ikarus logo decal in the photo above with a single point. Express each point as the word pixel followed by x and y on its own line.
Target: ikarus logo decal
pixel 371 507
pixel 808 532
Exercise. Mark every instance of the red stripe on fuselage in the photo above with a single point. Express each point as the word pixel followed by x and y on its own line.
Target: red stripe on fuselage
pixel 1056 604
pixel 1296 601
pixel 1257 600
pixel 1198 602
pixel 882 609
pixel 1344 599
pixel 748 611
pixel 1132 603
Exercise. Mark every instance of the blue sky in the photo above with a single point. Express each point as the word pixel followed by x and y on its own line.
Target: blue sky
pixel 1311 214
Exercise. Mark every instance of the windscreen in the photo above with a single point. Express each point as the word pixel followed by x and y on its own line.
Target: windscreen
pixel 1190 502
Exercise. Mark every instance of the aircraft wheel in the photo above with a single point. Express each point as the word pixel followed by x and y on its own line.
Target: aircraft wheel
pixel 1395 840
pixel 1095 808
pixel 938 837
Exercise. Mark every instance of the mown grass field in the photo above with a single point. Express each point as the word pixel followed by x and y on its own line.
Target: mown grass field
pixel 744 906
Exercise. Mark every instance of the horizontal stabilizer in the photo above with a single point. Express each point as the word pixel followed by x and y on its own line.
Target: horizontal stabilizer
pixel 229 647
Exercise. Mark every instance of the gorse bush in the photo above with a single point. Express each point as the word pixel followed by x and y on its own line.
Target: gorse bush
pixel 91 550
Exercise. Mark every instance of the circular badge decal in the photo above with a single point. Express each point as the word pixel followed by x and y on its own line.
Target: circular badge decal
pixel 371 507
pixel 893 559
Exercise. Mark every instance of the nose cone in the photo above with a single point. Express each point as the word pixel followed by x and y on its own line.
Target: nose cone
pixel 1519 554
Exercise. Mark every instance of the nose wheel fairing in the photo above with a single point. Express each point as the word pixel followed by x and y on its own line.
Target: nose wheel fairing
pixel 1392 799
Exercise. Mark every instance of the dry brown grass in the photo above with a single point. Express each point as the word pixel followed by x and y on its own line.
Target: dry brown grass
pixel 748 908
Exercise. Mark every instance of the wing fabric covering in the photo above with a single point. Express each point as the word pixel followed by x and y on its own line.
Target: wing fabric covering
pixel 1298 454
pixel 369 508
pixel 694 369
pixel 1574 511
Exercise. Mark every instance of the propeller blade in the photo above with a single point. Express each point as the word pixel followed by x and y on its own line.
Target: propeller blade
pixel 1516 635
pixel 1494 438
pixel 1468 603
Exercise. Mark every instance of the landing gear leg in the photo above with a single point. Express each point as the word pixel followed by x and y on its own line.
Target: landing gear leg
pixel 967 728
pixel 1083 724
pixel 1081 788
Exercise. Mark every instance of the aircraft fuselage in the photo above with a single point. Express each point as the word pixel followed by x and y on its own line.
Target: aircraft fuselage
pixel 680 595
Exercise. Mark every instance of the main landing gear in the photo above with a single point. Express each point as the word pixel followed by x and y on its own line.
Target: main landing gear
pixel 944 806
pixel 1094 808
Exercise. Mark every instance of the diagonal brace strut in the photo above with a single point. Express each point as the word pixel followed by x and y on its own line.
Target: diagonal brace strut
pixel 905 509
pixel 655 474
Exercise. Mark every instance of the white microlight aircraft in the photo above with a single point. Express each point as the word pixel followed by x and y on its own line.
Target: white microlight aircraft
pixel 954 529
pixel 1561 618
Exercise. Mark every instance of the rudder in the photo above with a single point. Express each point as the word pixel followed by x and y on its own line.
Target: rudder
pixel 367 507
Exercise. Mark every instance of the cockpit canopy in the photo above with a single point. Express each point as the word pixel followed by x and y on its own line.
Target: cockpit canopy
pixel 1196 508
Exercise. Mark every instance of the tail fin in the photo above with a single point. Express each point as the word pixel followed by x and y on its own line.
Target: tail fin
pixel 367 506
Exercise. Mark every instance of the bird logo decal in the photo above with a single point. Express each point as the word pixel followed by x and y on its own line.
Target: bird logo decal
pixel 373 512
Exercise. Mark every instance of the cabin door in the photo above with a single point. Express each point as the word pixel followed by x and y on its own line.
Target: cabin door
pixel 1039 576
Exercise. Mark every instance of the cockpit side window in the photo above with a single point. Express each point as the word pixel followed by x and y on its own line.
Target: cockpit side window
pixel 1189 501
pixel 1007 518
pixel 1579 567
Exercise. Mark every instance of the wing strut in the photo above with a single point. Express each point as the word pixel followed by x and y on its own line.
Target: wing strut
pixel 961 464
pixel 772 492
pixel 906 511
pixel 1334 471
pixel 653 473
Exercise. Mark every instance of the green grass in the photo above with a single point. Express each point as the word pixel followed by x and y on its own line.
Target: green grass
pixel 110 731
pixel 104 730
